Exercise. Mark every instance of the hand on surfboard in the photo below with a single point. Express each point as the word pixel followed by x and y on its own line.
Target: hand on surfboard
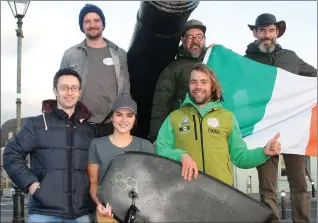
pixel 189 167
pixel 104 211
pixel 273 147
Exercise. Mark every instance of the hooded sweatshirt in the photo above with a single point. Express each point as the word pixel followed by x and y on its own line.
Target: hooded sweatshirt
pixel 211 136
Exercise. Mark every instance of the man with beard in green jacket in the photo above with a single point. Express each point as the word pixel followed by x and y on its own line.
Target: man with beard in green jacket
pixel 173 81
pixel 204 136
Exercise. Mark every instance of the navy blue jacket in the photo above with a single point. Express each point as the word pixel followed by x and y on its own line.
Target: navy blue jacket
pixel 58 148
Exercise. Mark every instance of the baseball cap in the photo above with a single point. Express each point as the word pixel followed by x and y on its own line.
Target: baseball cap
pixel 194 24
pixel 125 102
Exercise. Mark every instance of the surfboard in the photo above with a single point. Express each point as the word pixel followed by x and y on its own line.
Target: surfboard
pixel 144 187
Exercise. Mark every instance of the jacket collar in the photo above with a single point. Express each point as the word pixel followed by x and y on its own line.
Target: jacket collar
pixel 110 44
pixel 252 48
pixel 212 105
pixel 81 111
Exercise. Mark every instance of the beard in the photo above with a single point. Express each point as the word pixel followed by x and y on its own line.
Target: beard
pixel 195 53
pixel 266 48
pixel 95 36
pixel 200 100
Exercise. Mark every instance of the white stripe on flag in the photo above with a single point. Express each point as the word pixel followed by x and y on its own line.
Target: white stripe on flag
pixel 290 108
pixel 294 134
pixel 207 55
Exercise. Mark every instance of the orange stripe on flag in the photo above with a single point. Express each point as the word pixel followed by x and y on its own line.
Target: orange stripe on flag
pixel 311 149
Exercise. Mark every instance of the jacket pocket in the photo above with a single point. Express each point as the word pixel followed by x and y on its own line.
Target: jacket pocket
pixel 50 194
pixel 82 188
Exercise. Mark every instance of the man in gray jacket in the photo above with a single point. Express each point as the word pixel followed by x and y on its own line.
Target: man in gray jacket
pixel 102 66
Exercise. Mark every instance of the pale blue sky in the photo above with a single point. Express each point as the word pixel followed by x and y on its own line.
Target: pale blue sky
pixel 52 27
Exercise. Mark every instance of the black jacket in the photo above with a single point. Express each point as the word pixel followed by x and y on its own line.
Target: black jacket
pixel 282 58
pixel 58 148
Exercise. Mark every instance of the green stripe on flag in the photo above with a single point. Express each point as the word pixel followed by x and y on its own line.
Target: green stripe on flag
pixel 247 86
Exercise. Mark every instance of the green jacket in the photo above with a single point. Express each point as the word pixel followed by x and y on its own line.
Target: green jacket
pixel 211 137
pixel 171 88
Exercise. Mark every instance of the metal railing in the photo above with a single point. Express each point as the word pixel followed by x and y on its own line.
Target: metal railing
pixel 249 189
pixel 312 182
pixel 283 203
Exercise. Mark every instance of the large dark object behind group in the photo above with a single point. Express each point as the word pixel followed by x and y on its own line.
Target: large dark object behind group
pixel 108 101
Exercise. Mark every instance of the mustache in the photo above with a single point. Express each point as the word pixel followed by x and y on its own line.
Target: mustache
pixel 92 29
pixel 266 38
pixel 199 90
pixel 195 44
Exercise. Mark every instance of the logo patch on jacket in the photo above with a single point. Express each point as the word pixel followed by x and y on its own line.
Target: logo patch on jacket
pixel 185 120
pixel 213 122
pixel 214 131
pixel 184 125
pixel 184 129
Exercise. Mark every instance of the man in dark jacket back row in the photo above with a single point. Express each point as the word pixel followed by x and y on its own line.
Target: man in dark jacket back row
pixel 265 50
pixel 173 82
pixel 58 142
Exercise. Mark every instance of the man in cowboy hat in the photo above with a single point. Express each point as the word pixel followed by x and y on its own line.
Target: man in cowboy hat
pixel 265 50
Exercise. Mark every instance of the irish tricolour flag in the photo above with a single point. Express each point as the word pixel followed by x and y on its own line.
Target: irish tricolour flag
pixel 267 100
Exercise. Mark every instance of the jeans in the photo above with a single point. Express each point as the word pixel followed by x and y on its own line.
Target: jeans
pixel 53 219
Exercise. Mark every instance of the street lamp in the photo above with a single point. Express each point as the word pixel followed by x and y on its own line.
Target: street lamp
pixel 19 9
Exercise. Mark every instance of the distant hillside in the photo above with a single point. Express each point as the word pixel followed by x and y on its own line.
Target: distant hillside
pixel 9 126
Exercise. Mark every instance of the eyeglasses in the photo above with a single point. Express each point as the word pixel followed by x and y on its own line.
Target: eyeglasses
pixel 189 38
pixel 74 88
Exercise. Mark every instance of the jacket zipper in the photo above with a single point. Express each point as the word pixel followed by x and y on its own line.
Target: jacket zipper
pixel 195 128
pixel 272 60
pixel 70 172
pixel 201 137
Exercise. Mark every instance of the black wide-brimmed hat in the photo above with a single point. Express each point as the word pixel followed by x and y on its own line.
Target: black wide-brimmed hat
pixel 267 19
